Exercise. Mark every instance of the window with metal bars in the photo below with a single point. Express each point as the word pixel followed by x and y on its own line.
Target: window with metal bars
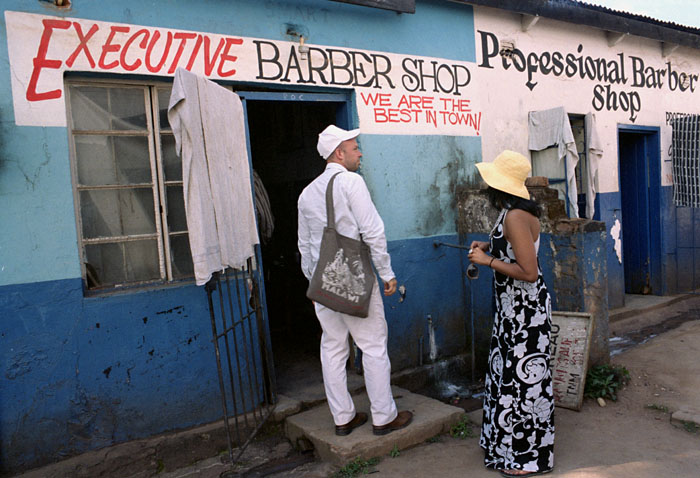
pixel 127 182
pixel 685 149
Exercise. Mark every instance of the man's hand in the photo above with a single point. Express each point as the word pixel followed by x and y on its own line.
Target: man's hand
pixel 390 287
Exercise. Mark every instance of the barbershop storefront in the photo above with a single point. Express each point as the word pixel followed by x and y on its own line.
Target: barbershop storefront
pixel 106 337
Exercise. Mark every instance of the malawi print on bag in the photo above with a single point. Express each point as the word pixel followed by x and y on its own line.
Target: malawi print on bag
pixel 343 279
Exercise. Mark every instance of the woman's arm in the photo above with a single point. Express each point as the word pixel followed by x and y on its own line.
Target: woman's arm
pixel 519 227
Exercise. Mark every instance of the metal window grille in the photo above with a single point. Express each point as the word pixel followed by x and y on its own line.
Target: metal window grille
pixel 685 149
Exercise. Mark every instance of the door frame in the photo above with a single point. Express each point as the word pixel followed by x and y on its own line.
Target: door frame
pixel 652 177
pixel 344 119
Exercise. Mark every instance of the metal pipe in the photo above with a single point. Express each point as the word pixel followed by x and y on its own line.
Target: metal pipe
pixel 437 244
pixel 472 273
pixel 471 313
pixel 420 351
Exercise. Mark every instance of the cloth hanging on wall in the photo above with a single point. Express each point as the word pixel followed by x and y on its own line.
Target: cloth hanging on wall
pixel 594 153
pixel 209 128
pixel 551 127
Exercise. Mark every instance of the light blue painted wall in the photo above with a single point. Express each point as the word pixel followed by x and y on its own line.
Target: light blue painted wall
pixel 413 180
pixel 38 240
pixel 36 203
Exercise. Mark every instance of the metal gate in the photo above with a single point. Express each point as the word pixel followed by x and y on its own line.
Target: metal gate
pixel 243 358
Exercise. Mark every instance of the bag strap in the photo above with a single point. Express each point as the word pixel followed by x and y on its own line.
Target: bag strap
pixel 330 211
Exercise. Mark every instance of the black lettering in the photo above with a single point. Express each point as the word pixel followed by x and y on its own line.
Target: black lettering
pixel 338 65
pixel 358 68
pixel 467 79
pixel 318 68
pixel 410 79
pixel 438 83
pixel 558 62
pixel 598 102
pixel 381 73
pixel 489 48
pixel 570 65
pixel 293 64
pixel 637 72
pixel 545 59
pixel 273 59
pixel 518 60
pixel 532 63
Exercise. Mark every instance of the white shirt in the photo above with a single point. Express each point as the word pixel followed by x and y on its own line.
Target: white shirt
pixel 355 214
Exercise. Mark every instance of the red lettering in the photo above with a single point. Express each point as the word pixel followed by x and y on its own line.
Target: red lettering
pixel 381 99
pixel 380 115
pixel 154 39
pixel 226 57
pixel 183 37
pixel 456 105
pixel 412 101
pixel 108 47
pixel 40 61
pixel 83 44
pixel 144 42
pixel 193 55
pixel 210 60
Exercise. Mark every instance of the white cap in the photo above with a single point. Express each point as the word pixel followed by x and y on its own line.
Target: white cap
pixel 331 137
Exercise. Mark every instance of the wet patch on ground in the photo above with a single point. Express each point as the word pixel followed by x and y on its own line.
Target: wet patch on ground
pixel 630 339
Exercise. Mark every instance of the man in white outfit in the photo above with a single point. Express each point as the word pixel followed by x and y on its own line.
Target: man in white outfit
pixel 355 214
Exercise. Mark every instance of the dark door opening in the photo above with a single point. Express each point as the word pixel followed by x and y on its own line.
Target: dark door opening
pixel 640 182
pixel 283 136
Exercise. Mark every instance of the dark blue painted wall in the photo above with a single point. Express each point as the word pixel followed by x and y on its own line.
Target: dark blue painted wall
pixel 680 245
pixel 83 373
pixel 609 211
pixel 433 280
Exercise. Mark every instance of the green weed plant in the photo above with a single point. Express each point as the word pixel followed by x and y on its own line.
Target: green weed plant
pixel 356 467
pixel 463 429
pixel 604 381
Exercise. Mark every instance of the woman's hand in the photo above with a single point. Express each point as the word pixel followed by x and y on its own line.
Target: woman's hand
pixel 484 246
pixel 478 256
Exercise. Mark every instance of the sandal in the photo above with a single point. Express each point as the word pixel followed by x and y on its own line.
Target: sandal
pixel 526 474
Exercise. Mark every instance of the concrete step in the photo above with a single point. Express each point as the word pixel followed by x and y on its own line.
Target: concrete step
pixel 430 417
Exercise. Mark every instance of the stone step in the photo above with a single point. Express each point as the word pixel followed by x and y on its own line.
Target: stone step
pixel 430 418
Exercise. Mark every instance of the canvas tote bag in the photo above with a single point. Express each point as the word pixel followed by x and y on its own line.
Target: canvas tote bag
pixel 344 277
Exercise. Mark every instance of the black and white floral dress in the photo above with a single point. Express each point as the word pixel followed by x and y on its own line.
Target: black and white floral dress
pixel 518 426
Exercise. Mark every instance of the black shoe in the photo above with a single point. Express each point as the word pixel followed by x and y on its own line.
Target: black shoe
pixel 360 419
pixel 402 420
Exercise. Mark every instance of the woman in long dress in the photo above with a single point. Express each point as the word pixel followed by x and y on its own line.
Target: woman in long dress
pixel 517 432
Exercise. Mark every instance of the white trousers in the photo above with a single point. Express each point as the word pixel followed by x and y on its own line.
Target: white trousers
pixel 370 335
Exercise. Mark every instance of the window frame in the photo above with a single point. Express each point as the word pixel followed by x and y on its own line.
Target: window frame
pixel 154 133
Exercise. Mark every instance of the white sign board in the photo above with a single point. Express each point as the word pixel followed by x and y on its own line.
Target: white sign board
pixel 394 94
pixel 569 347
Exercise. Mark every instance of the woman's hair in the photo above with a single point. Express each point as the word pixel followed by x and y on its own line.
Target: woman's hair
pixel 500 200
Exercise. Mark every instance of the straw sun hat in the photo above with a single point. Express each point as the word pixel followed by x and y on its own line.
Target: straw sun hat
pixel 507 173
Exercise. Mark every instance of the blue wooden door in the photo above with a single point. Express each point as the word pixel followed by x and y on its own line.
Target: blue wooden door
pixel 639 196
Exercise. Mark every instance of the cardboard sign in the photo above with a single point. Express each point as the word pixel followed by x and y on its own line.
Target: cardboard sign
pixel 569 346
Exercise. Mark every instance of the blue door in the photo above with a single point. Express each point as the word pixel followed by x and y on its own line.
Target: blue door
pixel 640 182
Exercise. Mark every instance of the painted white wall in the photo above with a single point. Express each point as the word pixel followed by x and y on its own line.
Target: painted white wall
pixel 506 100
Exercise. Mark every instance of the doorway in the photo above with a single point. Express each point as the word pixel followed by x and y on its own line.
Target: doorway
pixel 283 131
pixel 640 189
